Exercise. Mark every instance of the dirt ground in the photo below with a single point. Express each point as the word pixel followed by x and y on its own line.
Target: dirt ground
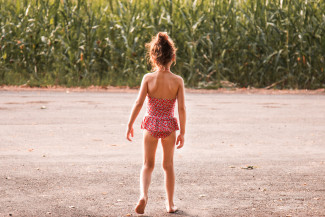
pixel 64 153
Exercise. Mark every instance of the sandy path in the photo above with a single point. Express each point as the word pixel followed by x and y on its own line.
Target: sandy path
pixel 71 158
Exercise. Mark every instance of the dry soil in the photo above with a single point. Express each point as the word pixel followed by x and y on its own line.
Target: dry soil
pixel 64 153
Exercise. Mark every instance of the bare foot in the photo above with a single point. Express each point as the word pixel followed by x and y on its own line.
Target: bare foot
pixel 171 209
pixel 141 205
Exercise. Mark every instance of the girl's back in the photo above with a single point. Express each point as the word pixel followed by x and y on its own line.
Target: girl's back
pixel 163 84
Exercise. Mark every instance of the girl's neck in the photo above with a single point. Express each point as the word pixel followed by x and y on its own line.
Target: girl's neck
pixel 162 69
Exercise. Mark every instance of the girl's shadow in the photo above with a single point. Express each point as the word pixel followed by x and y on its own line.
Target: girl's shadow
pixel 179 213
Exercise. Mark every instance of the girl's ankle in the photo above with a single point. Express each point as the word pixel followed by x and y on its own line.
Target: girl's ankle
pixel 143 197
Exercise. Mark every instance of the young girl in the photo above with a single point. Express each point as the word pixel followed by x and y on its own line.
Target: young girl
pixel 161 88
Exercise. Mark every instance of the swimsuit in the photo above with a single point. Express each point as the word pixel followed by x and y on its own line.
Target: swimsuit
pixel 159 119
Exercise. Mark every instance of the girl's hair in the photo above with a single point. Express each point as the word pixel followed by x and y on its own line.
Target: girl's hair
pixel 160 50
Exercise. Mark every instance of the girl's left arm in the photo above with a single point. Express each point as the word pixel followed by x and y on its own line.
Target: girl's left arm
pixel 137 107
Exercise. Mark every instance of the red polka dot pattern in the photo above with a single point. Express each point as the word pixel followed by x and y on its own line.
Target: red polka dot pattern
pixel 160 120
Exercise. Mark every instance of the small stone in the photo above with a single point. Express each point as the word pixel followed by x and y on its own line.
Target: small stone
pixel 248 167
pixel 119 200
pixel 49 213
pixel 43 107
pixel 71 207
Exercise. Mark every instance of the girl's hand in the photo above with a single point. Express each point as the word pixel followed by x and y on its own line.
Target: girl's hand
pixel 180 141
pixel 129 133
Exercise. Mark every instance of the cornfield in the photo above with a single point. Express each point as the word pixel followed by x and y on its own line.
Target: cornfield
pixel 248 43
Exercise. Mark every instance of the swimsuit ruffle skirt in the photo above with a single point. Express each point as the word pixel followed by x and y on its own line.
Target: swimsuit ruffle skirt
pixel 159 119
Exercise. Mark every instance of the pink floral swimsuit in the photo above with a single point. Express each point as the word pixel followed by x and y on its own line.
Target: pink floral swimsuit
pixel 159 119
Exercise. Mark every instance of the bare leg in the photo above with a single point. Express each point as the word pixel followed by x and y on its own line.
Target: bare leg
pixel 150 147
pixel 168 145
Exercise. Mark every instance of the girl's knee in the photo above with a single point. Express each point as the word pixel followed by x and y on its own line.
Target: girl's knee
pixel 149 165
pixel 168 165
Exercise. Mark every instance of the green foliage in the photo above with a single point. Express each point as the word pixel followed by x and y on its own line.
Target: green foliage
pixel 259 43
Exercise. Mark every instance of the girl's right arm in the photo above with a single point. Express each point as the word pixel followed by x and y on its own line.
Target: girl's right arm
pixel 181 113
pixel 137 107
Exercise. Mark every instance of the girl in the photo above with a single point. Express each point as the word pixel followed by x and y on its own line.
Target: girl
pixel 161 88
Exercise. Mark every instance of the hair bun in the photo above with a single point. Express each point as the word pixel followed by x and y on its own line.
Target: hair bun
pixel 162 36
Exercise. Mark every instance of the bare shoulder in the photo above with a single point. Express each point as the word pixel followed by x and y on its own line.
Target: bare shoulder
pixel 147 77
pixel 178 79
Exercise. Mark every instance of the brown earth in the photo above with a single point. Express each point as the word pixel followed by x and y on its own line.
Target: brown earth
pixel 63 153
pixel 124 89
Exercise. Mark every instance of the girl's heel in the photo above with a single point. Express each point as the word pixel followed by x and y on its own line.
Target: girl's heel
pixel 141 206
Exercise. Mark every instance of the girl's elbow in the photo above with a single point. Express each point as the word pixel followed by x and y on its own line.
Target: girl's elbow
pixel 181 109
pixel 138 103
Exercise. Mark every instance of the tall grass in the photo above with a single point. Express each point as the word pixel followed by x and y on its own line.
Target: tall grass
pixel 258 43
